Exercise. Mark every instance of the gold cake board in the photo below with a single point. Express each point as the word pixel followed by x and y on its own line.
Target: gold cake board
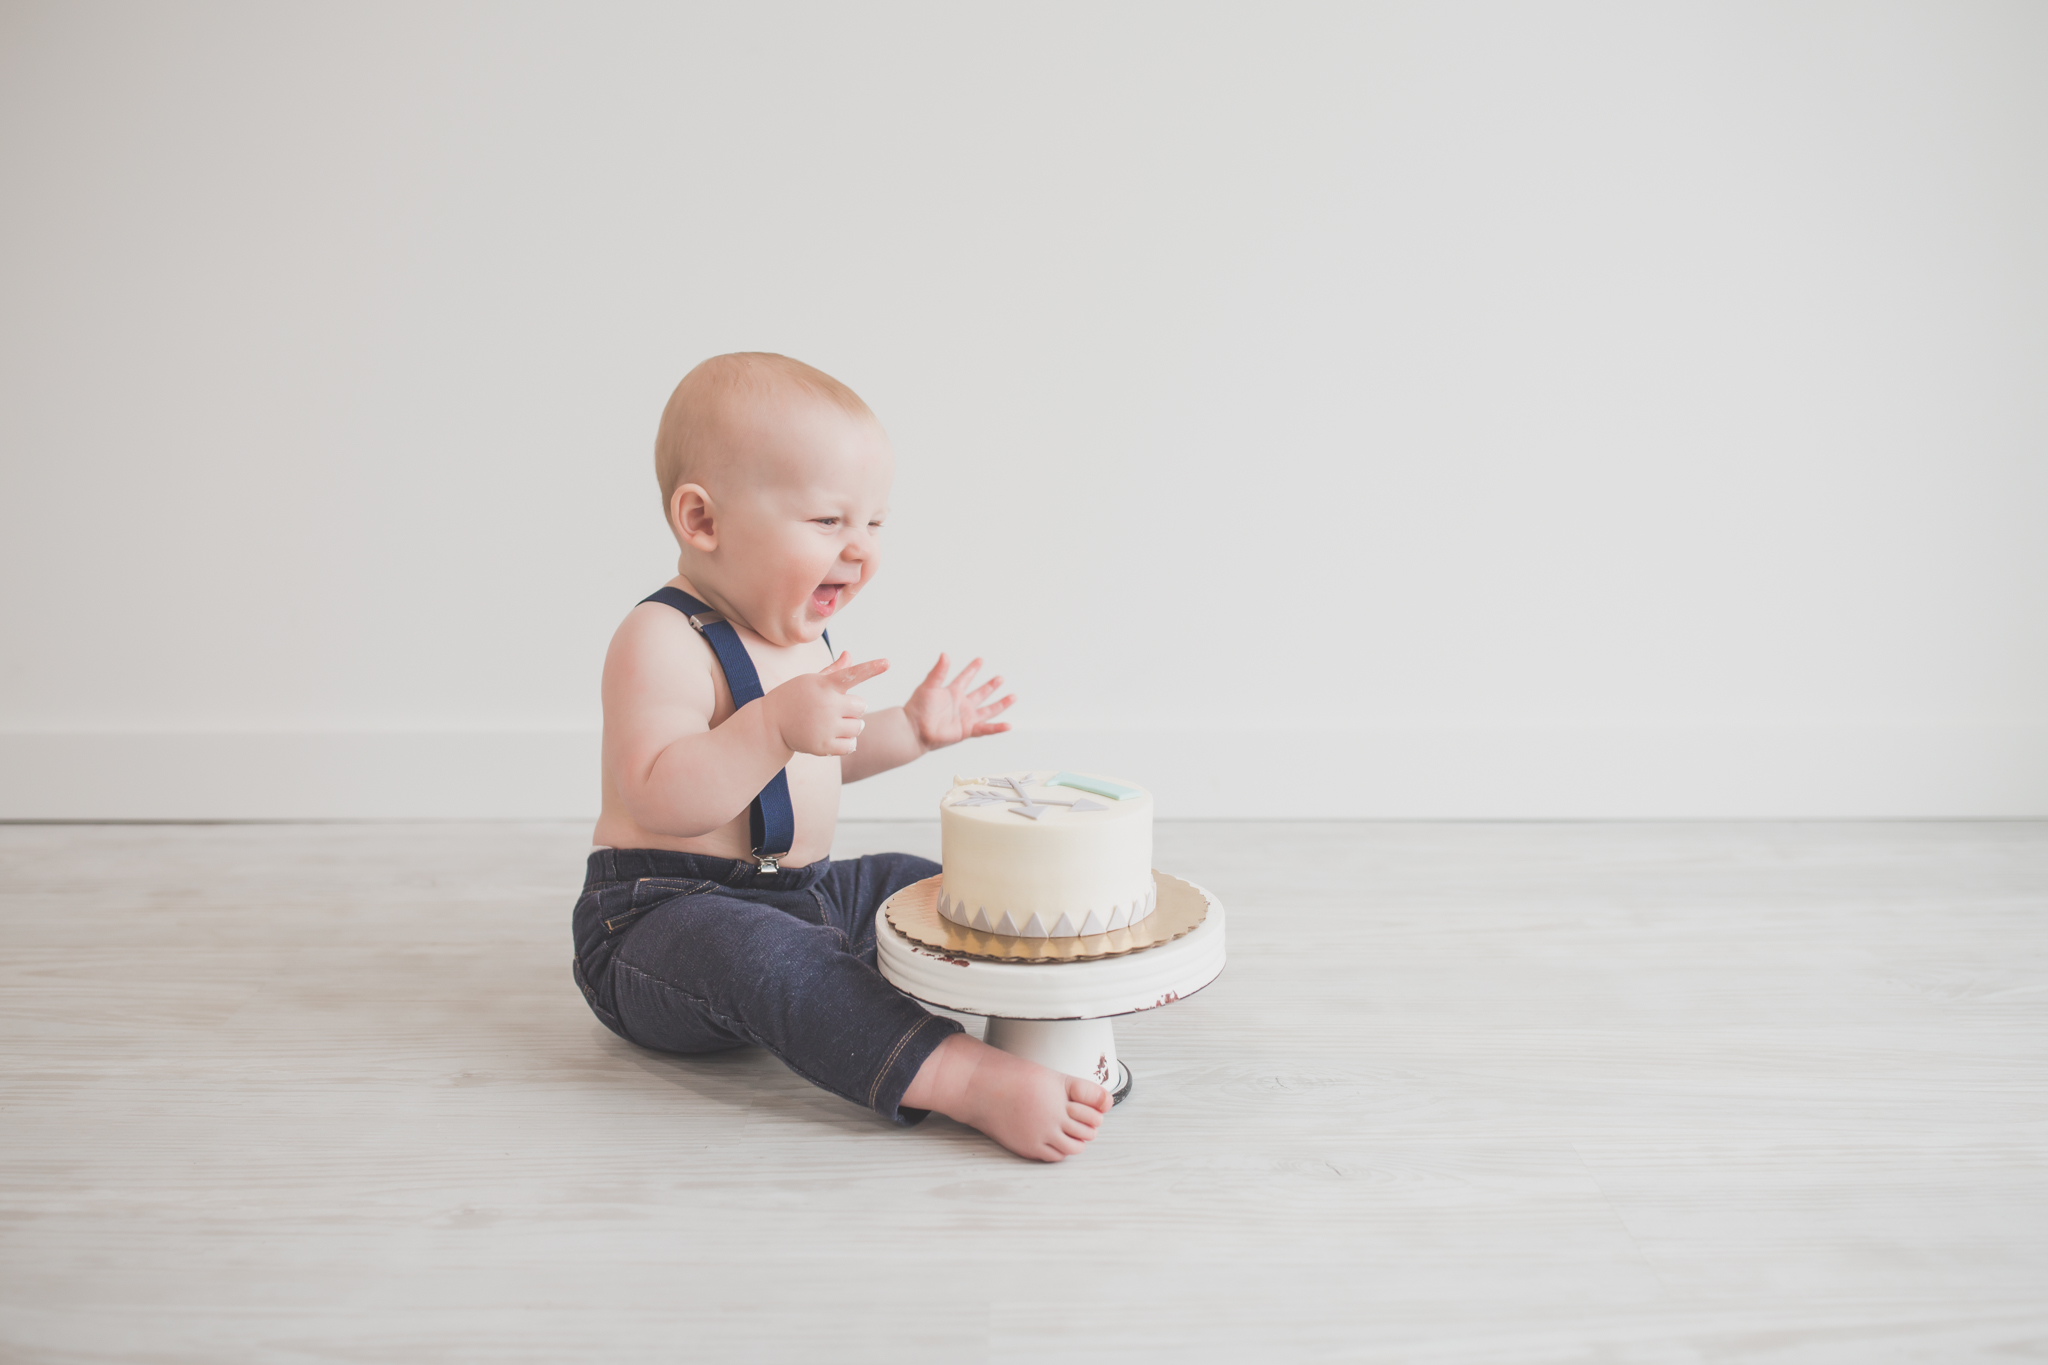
pixel 914 911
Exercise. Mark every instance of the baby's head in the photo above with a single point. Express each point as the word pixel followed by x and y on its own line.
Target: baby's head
pixel 775 477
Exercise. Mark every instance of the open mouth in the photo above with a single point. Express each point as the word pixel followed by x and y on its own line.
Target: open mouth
pixel 825 598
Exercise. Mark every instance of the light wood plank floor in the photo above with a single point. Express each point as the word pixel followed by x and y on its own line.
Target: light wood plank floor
pixel 1471 1093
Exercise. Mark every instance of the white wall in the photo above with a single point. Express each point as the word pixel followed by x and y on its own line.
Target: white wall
pixel 1388 410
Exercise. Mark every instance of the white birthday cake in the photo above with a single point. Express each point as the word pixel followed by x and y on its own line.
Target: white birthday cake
pixel 1046 854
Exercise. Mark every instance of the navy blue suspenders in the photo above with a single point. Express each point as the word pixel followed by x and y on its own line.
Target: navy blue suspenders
pixel 771 819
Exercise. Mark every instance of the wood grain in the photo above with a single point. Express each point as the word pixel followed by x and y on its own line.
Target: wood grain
pixel 1568 1092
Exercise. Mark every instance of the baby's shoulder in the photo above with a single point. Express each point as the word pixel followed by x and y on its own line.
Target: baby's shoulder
pixel 656 655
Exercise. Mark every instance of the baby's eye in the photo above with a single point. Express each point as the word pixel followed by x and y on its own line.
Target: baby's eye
pixel 826 521
pixel 874 526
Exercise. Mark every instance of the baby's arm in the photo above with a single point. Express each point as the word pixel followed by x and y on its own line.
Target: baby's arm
pixel 938 713
pixel 676 774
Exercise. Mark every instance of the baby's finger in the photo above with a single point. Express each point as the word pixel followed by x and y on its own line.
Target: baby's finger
pixel 850 705
pixel 937 677
pixel 985 728
pixel 991 685
pixel 965 674
pixel 996 708
pixel 855 674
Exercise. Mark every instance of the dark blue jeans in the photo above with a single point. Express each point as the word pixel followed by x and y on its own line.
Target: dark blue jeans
pixel 691 954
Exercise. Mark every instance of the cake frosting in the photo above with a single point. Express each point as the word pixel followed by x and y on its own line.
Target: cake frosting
pixel 1046 854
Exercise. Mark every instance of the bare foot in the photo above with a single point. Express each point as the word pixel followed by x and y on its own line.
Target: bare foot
pixel 1031 1110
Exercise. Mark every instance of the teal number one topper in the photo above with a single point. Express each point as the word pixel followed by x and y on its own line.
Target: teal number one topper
pixel 1096 785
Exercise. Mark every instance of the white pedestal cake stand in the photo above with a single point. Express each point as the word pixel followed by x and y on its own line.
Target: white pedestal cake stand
pixel 1057 1013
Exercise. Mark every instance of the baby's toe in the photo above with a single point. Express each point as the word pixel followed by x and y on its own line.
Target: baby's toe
pixel 1088 1092
pixel 1084 1113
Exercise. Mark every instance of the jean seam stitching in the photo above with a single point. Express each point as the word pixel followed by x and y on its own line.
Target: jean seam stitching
pixel 897 1051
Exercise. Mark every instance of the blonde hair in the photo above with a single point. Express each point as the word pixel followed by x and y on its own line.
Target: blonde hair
pixel 689 424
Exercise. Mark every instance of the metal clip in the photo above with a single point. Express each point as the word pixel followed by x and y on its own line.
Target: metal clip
pixel 703 619
pixel 768 863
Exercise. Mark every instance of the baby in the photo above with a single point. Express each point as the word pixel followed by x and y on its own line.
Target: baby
pixel 712 915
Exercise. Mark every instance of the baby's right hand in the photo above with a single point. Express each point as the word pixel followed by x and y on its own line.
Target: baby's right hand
pixel 814 714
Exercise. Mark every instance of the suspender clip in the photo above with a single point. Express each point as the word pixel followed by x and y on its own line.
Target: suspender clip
pixel 703 619
pixel 768 863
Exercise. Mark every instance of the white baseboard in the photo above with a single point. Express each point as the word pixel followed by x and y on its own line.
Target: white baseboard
pixel 1587 772
pixel 299 775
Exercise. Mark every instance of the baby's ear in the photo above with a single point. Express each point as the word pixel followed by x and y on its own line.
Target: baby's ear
pixel 692 517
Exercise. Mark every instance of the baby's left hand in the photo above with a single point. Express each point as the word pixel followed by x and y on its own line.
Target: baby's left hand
pixel 945 713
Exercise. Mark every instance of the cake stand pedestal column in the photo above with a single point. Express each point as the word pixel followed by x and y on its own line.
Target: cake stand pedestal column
pixel 1058 1014
pixel 1079 1047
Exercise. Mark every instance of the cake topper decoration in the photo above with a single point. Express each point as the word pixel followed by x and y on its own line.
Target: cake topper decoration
pixel 1113 790
pixel 1032 807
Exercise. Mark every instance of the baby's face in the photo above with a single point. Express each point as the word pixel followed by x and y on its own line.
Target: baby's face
pixel 799 523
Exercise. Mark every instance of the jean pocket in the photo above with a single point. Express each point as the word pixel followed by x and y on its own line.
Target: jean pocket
pixel 664 888
pixel 620 921
pixel 650 892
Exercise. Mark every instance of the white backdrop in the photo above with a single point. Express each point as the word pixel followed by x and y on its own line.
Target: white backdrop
pixel 1395 410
